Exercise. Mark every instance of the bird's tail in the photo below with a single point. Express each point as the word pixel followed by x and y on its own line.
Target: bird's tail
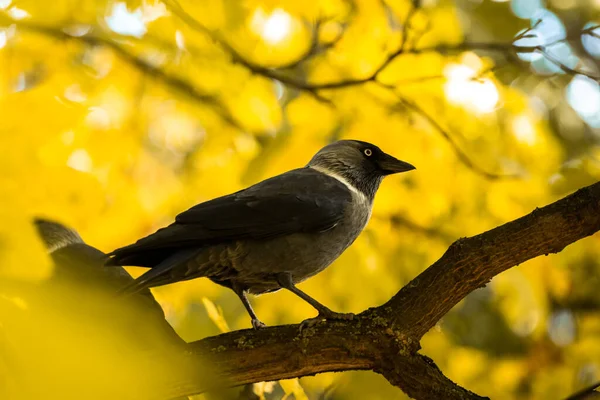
pixel 160 274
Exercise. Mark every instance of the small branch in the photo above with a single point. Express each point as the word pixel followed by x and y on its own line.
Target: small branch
pixel 414 7
pixel 236 57
pixel 446 135
pixel 400 221
pixel 565 68
pixel 174 7
pixel 315 47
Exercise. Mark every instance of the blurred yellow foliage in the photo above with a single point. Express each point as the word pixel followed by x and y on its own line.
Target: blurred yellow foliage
pixel 116 135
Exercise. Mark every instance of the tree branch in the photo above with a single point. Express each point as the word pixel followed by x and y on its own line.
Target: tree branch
pixel 314 88
pixel 399 221
pixel 365 343
pixel 462 156
pixel 509 49
pixel 471 263
pixel 386 339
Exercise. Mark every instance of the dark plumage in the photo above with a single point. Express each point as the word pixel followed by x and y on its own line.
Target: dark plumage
pixel 271 235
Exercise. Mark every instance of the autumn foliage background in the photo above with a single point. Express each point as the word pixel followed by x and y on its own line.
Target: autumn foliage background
pixel 116 116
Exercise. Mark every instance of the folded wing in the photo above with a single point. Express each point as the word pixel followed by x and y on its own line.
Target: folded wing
pixel 302 200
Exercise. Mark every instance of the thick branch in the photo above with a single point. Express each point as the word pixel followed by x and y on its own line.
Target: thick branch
pixel 362 344
pixel 281 352
pixel 472 262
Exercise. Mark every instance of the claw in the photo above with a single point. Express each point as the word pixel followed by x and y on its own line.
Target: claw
pixel 307 323
pixel 323 316
pixel 343 316
pixel 257 324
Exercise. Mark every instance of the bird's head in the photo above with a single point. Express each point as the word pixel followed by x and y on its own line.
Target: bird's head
pixel 363 165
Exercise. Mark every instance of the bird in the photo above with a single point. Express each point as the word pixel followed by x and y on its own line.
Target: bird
pixel 78 263
pixel 273 234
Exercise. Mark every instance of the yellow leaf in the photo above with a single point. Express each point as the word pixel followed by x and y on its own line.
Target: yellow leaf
pixel 215 314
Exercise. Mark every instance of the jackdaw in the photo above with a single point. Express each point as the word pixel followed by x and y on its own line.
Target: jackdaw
pixel 272 235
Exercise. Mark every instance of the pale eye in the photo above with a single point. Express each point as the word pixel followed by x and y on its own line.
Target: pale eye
pixel 368 152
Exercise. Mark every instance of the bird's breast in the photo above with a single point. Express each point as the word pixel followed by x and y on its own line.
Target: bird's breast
pixel 326 247
pixel 358 214
pixel 303 254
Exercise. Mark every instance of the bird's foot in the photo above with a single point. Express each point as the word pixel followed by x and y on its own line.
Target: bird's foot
pixel 338 315
pixel 323 316
pixel 257 324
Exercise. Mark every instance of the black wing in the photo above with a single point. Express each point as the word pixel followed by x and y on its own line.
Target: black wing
pixel 301 200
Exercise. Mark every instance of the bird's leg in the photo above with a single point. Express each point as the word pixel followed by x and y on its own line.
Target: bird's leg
pixel 285 280
pixel 256 323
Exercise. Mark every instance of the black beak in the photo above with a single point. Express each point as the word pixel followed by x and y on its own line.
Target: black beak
pixel 390 165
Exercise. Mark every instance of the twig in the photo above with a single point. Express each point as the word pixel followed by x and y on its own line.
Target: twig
pixel 411 12
pixel 236 57
pixel 446 135
pixel 401 221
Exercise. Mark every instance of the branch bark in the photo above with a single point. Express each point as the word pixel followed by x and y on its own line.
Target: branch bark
pixel 366 343
pixel 471 263
pixel 386 339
